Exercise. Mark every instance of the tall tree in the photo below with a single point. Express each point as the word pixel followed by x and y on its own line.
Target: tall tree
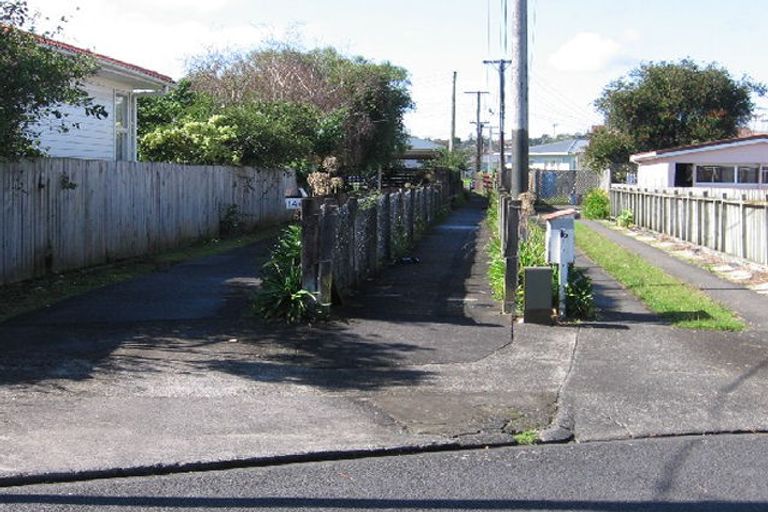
pixel 668 104
pixel 365 100
pixel 37 80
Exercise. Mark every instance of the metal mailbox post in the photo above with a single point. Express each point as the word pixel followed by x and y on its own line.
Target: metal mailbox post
pixel 559 246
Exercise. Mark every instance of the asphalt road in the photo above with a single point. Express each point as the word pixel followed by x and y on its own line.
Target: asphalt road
pixel 723 473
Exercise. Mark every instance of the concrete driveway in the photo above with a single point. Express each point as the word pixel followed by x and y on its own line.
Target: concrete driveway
pixel 166 371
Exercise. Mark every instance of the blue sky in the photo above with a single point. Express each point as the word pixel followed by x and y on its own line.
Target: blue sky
pixel 575 47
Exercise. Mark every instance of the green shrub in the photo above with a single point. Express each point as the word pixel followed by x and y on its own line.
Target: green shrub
pixel 231 221
pixel 626 218
pixel 193 142
pixel 596 204
pixel 579 297
pixel 281 296
pixel 497 264
pixel 530 254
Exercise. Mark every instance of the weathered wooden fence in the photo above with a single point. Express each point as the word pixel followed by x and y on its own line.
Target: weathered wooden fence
pixel 343 244
pixel 61 214
pixel 733 221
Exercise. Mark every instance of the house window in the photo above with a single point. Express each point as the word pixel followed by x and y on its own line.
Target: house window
pixel 122 147
pixel 748 174
pixel 715 174
pixel 732 174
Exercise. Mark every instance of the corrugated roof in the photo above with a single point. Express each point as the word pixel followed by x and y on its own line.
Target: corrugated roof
pixel 567 146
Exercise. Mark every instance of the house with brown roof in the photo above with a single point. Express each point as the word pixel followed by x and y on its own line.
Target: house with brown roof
pixel 116 86
pixel 733 163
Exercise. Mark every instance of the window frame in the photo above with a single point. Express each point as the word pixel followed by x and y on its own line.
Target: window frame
pixel 762 175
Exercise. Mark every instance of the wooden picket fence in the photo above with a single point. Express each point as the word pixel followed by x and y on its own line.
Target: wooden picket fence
pixel 61 214
pixel 733 221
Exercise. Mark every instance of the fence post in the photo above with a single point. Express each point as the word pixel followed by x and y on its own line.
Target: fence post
pixel 354 264
pixel 512 229
pixel 328 224
pixel 700 223
pixel 723 221
pixel 743 225
pixel 503 211
pixel 765 232
pixel 310 243
pixel 386 228
pixel 409 197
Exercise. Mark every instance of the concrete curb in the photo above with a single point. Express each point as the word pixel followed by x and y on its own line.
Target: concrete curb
pixel 249 462
pixel 561 429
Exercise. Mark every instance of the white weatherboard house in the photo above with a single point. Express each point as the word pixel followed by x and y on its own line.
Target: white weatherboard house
pixel 731 163
pixel 116 86
pixel 565 155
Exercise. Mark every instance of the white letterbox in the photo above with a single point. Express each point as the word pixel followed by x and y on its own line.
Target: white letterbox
pixel 560 237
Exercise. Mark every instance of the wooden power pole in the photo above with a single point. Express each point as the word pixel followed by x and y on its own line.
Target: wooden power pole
pixel 453 115
pixel 479 129
pixel 519 65
pixel 503 174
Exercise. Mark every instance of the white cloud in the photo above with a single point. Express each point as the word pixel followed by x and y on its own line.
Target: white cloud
pixel 587 51
pixel 164 37
pixel 630 35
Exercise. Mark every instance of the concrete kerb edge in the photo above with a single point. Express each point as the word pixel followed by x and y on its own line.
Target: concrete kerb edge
pixel 250 462
pixel 328 456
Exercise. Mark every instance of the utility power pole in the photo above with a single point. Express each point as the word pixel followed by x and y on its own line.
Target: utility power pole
pixel 519 65
pixel 481 143
pixel 503 178
pixel 479 129
pixel 453 115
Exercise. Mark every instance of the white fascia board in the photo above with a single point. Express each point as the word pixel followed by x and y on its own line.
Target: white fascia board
pixel 137 80
pixel 651 155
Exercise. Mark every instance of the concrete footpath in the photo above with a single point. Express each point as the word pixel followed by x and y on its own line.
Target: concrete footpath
pixel 166 372
pixel 635 377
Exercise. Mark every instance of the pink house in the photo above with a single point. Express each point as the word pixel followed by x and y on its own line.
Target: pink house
pixel 732 163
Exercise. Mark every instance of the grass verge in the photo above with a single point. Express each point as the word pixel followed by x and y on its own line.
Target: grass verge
pixel 26 296
pixel 675 301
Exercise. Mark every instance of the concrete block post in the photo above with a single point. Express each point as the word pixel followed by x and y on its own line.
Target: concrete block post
pixel 329 219
pixel 353 258
pixel 409 217
pixel 310 243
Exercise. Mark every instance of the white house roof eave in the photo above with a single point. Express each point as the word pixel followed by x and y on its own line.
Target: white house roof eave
pixel 642 157
pixel 655 155
pixel 551 154
pixel 137 80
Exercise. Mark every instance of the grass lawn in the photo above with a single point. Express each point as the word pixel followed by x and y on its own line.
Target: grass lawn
pixel 25 296
pixel 676 302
